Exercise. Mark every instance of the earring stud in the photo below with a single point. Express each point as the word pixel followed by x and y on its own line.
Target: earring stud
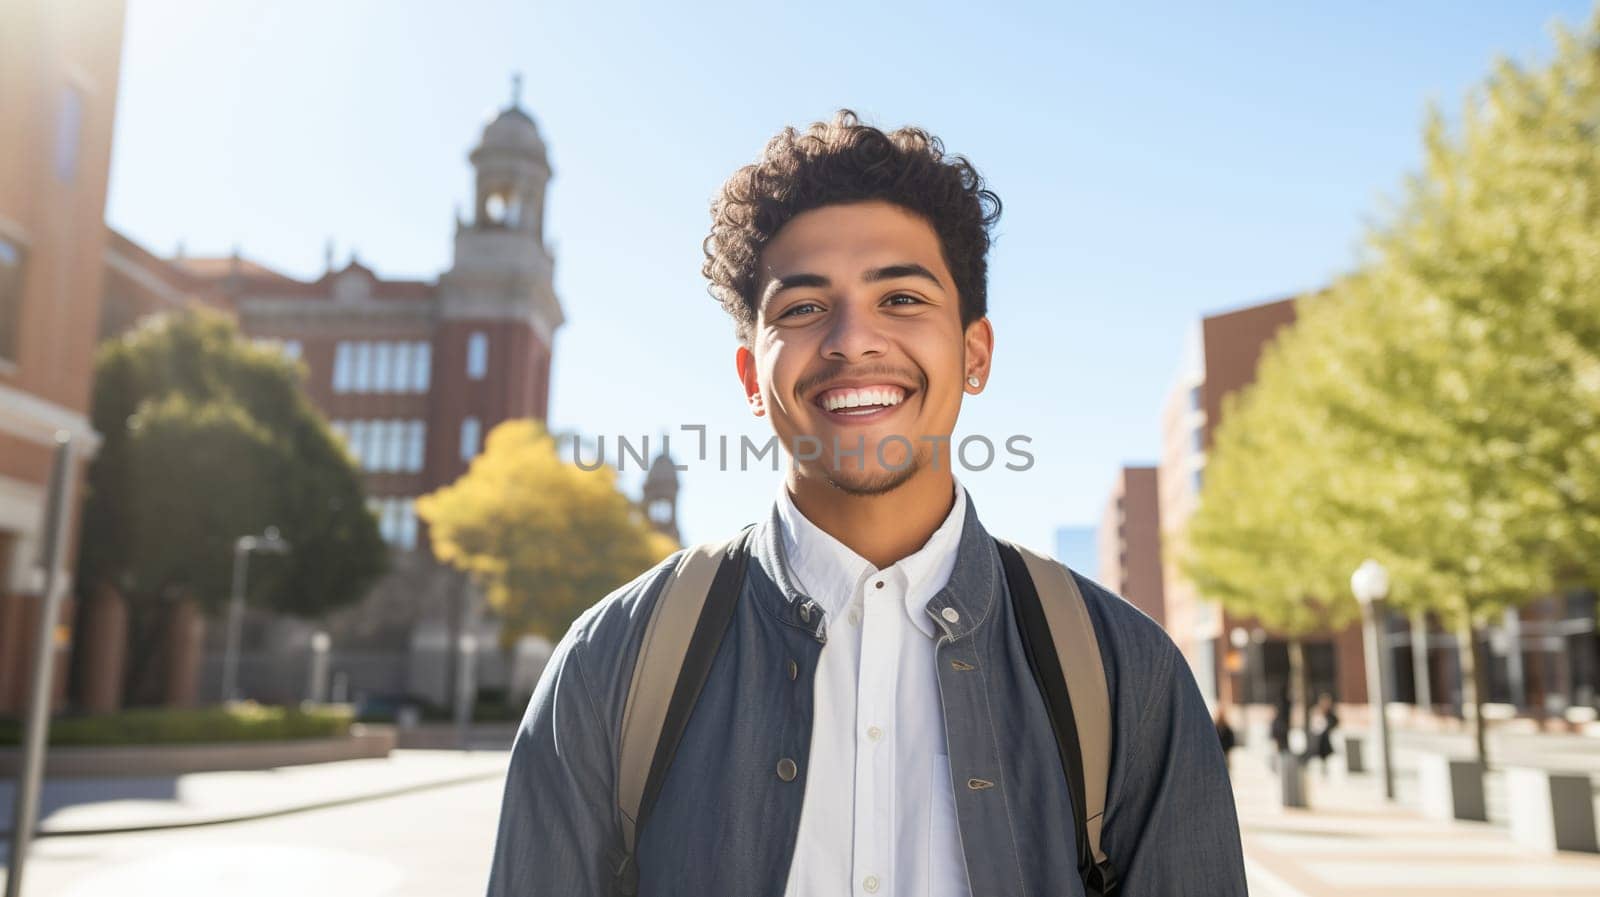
pixel 974 382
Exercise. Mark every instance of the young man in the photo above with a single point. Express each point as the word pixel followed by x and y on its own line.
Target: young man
pixel 870 724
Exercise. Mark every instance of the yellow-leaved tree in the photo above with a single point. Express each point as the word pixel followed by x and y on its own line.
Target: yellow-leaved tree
pixel 545 538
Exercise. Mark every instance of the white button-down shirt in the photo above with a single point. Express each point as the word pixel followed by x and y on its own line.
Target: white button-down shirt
pixel 879 816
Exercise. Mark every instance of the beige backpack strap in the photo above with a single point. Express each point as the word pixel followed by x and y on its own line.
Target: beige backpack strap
pixel 655 674
pixel 1078 651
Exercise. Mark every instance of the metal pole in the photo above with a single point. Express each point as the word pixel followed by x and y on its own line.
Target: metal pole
pixel 1376 693
pixel 1258 672
pixel 230 657
pixel 1515 679
pixel 1380 614
pixel 1419 662
pixel 37 726
pixel 466 689
pixel 317 689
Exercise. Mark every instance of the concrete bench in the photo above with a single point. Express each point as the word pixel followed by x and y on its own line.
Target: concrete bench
pixel 1451 787
pixel 1292 779
pixel 1551 810
pixel 1354 757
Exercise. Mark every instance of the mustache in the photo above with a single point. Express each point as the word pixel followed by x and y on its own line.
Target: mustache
pixel 808 384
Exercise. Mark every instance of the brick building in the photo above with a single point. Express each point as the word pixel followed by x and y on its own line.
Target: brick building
pixel 59 66
pixel 1221 359
pixel 1129 541
pixel 413 374
pixel 1543 659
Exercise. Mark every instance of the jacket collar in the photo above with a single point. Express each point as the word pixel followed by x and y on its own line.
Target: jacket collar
pixel 968 597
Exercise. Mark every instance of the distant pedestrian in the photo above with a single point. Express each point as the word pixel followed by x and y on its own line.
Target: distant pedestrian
pixel 1225 735
pixel 1280 730
pixel 1324 720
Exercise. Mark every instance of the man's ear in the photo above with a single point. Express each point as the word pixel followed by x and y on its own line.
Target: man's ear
pixel 979 354
pixel 745 362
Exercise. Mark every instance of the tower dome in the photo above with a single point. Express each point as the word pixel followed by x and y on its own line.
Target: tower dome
pixel 512 171
pixel 662 473
pixel 513 130
pixel 659 497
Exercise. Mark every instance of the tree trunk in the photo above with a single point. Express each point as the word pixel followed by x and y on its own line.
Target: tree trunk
pixel 146 651
pixel 1297 685
pixel 1422 688
pixel 454 629
pixel 1472 685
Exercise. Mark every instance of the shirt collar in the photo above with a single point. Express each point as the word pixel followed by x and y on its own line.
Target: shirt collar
pixel 829 572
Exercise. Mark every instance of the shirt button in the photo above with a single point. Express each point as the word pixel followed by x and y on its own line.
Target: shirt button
pixel 787 769
pixel 855 617
pixel 950 614
pixel 878 584
pixel 870 883
pixel 874 733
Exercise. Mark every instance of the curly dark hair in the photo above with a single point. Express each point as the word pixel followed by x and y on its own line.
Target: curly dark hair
pixel 844 161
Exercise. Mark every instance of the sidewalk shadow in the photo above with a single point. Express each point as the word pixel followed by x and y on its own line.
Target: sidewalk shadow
pixel 59 794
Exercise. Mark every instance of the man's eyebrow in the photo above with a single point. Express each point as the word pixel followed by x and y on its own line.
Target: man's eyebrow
pixel 905 269
pixel 790 281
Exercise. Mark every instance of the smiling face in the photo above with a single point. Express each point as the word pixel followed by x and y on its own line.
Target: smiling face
pixel 858 354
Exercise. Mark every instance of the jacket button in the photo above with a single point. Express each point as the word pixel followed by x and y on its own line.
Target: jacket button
pixel 787 770
pixel 951 615
pixel 794 671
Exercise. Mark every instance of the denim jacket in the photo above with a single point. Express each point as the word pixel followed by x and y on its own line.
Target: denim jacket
pixel 726 820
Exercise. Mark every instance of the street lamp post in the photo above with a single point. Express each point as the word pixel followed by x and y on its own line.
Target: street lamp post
pixel 466 688
pixel 1258 665
pixel 267 542
pixel 1240 639
pixel 1370 583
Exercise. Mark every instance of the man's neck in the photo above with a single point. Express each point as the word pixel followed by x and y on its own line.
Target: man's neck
pixel 882 528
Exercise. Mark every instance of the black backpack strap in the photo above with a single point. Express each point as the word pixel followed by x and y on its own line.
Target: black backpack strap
pixel 652 727
pixel 1041 644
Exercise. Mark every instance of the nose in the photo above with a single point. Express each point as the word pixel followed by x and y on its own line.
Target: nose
pixel 854 335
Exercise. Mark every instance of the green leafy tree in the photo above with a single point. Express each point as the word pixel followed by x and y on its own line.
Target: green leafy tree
pixel 544 536
pixel 208 438
pixel 1439 409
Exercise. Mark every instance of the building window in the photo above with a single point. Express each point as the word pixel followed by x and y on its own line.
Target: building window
pixel 356 435
pixel 361 361
pixel 10 298
pixel 397 520
pixel 416 434
pixel 69 133
pixel 421 354
pixel 470 432
pixel 291 349
pixel 1197 441
pixel 341 367
pixel 660 511
pixel 1194 398
pixel 382 367
pixel 394 457
pixel 478 355
pixel 408 524
pixel 1198 479
pixel 402 367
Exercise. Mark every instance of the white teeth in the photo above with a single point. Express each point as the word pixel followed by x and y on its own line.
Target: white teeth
pixel 863 398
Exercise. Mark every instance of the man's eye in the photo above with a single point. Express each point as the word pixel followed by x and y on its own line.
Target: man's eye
pixel 910 299
pixel 803 305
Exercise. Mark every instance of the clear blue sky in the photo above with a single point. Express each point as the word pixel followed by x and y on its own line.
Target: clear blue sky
pixel 1156 161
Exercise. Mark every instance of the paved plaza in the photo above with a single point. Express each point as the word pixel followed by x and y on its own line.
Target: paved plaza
pixel 421 824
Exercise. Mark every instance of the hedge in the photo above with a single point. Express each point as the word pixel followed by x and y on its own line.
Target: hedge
pixel 246 721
